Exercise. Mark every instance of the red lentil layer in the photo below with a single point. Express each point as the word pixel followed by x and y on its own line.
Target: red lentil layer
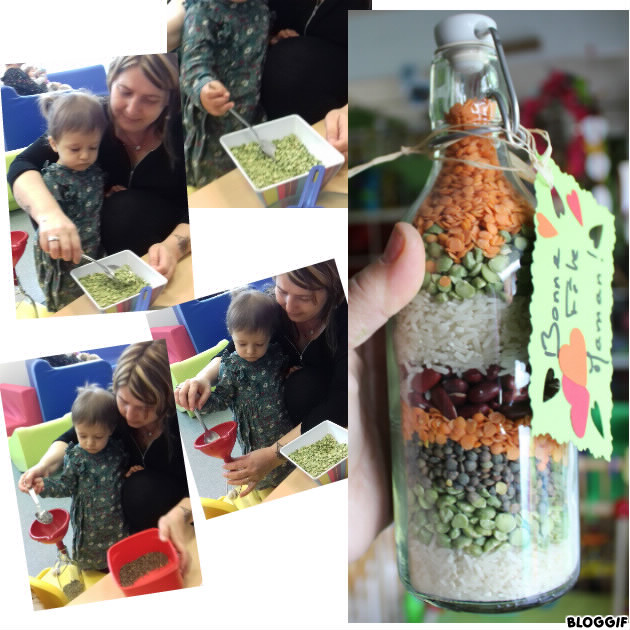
pixel 472 204
pixel 493 430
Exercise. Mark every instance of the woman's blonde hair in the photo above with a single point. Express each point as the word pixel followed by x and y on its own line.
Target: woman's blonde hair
pixel 323 275
pixel 144 369
pixel 78 110
pixel 163 72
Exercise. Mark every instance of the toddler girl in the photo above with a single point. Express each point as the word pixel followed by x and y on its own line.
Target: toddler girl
pixel 223 47
pixel 76 123
pixel 251 379
pixel 92 475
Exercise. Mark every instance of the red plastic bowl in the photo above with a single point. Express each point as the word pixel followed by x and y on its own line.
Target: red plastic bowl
pixel 52 533
pixel 221 447
pixel 166 578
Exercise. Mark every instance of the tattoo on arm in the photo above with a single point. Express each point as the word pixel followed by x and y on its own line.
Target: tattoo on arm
pixel 183 243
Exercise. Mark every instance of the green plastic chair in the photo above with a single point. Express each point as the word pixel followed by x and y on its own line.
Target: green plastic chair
pixel 191 367
pixel 9 156
pixel 28 444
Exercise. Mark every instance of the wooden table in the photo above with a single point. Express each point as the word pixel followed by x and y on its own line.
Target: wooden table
pixel 233 191
pixel 179 289
pixel 106 587
pixel 295 482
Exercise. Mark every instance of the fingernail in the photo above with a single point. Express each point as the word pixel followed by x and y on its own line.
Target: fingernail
pixel 394 246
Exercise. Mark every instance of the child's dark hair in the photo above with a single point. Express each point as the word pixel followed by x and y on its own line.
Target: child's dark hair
pixel 78 110
pixel 253 311
pixel 95 405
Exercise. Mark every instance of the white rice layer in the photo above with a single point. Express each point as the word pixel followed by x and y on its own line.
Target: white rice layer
pixel 502 575
pixel 479 331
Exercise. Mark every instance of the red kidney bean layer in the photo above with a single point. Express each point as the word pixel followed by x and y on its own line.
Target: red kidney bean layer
pixel 472 392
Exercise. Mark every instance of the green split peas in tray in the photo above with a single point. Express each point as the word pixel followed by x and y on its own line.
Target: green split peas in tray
pixel 105 291
pixel 291 159
pixel 318 457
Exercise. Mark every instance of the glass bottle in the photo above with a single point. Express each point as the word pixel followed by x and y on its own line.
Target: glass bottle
pixel 68 574
pixel 486 514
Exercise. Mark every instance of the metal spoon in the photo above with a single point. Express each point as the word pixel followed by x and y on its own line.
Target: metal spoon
pixel 42 515
pixel 101 265
pixel 209 435
pixel 266 146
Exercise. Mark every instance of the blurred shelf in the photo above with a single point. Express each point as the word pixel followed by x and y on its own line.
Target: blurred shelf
pixel 620 360
pixel 387 215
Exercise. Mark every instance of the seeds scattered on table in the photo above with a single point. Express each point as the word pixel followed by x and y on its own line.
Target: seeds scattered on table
pixel 105 291
pixel 134 570
pixel 318 457
pixel 291 159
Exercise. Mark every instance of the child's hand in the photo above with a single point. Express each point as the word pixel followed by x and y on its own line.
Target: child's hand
pixel 38 484
pixel 285 33
pixel 215 98
pixel 133 469
pixel 114 189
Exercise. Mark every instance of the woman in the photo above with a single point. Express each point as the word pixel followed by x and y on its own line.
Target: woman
pixel 150 435
pixel 314 335
pixel 310 39
pixel 146 208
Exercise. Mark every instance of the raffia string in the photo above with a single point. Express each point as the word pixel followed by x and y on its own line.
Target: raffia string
pixel 432 146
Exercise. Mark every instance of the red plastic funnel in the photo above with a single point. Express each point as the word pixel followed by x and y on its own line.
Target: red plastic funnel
pixel 221 447
pixel 18 245
pixel 54 532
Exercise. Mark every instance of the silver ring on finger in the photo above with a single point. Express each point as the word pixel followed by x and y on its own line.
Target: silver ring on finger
pixel 53 238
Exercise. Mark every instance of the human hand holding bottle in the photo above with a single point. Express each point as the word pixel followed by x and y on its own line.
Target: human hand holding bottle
pixel 376 293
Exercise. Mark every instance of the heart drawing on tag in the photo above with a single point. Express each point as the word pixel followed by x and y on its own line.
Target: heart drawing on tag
pixel 574 205
pixel 552 385
pixel 545 228
pixel 578 398
pixel 572 358
pixel 595 234
pixel 596 415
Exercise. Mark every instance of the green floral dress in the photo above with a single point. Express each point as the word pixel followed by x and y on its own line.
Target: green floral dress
pixel 254 391
pixel 94 481
pixel 80 195
pixel 224 41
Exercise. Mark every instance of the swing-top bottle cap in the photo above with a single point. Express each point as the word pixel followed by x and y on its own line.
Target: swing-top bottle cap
pixel 464 27
pixel 465 39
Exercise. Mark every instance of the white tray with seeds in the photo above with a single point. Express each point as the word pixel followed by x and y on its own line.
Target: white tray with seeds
pixel 284 193
pixel 336 471
pixel 156 280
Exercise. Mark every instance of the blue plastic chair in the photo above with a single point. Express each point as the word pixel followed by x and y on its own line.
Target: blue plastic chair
pixel 204 318
pixel 56 387
pixel 110 354
pixel 20 114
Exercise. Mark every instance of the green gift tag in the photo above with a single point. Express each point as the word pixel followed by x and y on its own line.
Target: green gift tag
pixel 570 345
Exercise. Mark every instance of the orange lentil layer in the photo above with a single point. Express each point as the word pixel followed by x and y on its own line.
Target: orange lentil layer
pixel 472 205
pixel 493 430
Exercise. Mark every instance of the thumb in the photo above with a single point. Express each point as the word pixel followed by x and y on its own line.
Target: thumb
pixel 380 290
pixel 154 256
pixel 250 486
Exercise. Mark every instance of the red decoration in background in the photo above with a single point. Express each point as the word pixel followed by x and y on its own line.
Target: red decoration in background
pixel 565 95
